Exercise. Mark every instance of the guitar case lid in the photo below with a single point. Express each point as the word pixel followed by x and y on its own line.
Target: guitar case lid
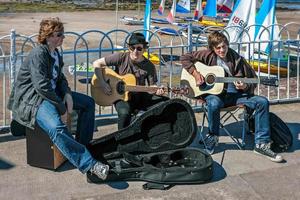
pixel 166 126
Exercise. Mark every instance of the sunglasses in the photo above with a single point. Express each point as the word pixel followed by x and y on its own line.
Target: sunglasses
pixel 132 48
pixel 60 34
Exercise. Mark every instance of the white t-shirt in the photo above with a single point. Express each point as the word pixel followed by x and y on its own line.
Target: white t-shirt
pixel 230 86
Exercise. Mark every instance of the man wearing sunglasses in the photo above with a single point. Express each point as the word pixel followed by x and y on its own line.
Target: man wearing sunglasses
pixel 41 95
pixel 131 62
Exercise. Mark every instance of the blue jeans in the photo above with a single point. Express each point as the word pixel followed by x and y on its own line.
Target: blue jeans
pixel 49 120
pixel 258 103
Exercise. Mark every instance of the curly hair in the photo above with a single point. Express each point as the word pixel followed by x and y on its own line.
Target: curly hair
pixel 215 38
pixel 47 27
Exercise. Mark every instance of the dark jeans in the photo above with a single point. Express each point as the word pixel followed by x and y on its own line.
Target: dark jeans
pixel 257 103
pixel 76 152
pixel 138 101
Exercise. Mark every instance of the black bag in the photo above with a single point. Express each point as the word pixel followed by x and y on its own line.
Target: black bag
pixel 281 136
pixel 17 129
pixel 153 148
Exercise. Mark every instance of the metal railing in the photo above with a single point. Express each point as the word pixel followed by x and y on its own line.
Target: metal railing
pixel 81 49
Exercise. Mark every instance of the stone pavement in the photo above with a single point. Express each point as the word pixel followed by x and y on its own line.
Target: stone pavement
pixel 238 174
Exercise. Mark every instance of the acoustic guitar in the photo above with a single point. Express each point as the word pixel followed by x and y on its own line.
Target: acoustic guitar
pixel 214 80
pixel 121 86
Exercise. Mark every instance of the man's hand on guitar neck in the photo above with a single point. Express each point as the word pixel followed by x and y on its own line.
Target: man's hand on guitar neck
pixel 239 85
pixel 160 91
pixel 199 78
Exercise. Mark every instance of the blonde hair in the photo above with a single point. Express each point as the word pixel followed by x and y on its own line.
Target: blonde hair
pixel 47 27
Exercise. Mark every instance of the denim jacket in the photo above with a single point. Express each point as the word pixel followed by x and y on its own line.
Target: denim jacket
pixel 33 85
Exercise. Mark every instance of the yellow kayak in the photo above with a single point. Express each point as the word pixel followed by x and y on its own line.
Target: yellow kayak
pixel 211 23
pixel 152 57
pixel 264 68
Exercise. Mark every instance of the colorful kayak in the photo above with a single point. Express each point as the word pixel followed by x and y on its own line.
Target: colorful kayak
pixel 159 21
pixel 152 57
pixel 211 23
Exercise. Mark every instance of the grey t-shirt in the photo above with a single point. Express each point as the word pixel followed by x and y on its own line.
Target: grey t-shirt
pixel 54 69
pixel 144 71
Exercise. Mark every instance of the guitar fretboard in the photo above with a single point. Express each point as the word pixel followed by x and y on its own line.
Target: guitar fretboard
pixel 233 79
pixel 139 88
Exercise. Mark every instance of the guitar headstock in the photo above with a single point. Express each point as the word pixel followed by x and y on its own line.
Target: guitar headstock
pixel 273 81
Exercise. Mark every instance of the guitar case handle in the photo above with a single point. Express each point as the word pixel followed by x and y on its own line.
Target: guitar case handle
pixel 157 186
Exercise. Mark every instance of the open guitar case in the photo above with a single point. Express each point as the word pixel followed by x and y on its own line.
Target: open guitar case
pixel 154 148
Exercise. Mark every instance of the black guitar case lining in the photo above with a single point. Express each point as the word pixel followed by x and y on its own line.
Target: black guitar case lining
pixel 168 125
pixel 153 148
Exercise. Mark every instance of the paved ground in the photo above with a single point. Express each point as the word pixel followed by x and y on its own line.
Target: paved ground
pixel 238 174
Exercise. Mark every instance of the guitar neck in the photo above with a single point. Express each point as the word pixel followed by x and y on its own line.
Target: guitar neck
pixel 233 79
pixel 140 88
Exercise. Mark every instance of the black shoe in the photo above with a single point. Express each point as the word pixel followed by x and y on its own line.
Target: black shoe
pixel 265 150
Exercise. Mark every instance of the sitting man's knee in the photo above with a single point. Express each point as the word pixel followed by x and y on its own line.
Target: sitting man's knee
pixel 214 104
pixel 263 101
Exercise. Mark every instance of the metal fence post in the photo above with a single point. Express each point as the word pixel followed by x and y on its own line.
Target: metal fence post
pixel 12 58
pixel 12 63
pixel 190 42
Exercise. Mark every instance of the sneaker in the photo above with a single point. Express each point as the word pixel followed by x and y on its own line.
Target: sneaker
pixel 210 142
pixel 265 150
pixel 100 170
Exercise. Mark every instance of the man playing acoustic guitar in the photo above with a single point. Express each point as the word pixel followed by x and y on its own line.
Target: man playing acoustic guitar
pixel 132 62
pixel 234 65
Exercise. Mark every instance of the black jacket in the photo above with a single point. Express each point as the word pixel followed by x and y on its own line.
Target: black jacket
pixel 33 85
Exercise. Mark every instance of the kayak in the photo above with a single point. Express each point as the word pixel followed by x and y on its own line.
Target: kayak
pixel 159 21
pixel 265 68
pixel 165 31
pixel 152 57
pixel 211 23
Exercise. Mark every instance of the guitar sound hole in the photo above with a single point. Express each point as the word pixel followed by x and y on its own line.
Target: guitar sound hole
pixel 210 79
pixel 120 87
